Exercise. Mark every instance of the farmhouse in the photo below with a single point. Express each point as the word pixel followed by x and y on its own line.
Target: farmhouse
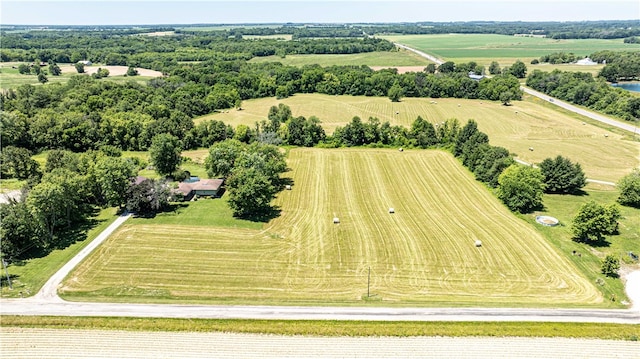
pixel 473 76
pixel 195 186
pixel 586 61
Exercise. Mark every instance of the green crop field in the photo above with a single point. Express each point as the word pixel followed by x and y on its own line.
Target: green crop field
pixel 423 254
pixel 484 48
pixel 532 123
pixel 382 58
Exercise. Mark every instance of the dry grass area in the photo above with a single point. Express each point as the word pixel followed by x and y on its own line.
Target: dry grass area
pixel 423 254
pixel 73 343
pixel 526 124
pixel 401 69
pixel 113 70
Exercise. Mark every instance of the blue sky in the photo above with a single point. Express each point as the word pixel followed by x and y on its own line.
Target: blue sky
pixel 143 12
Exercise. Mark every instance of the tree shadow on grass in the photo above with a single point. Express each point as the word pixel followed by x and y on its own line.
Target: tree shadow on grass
pixel 171 209
pixel 282 183
pixel 78 232
pixel 264 217
pixel 599 243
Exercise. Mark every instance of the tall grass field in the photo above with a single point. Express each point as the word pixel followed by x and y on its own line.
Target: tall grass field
pixel 423 254
pixel 530 124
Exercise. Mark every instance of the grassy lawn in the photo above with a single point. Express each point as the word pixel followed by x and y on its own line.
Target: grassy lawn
pixel 531 123
pixel 565 207
pixel 30 276
pixel 383 58
pixel 421 255
pixel 484 48
pixel 337 327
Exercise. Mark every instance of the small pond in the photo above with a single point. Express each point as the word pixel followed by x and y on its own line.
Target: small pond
pixel 632 86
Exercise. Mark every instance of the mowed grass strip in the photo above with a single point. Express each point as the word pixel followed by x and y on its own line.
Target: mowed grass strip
pixel 330 328
pixel 423 254
pixel 531 123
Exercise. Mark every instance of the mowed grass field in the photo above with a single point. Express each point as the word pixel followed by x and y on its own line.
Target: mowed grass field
pixel 484 48
pixel 11 78
pixel 423 254
pixel 530 123
pixel 376 59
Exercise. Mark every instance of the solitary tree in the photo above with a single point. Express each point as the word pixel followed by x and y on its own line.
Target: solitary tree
pixel 54 69
pixel 79 67
pixel 562 176
pixel 42 78
pixel 24 69
pixel 506 97
pixel 518 69
pixel 395 93
pixel 131 71
pixel 594 221
pixel 494 68
pixel 610 266
pixel 629 187
pixel 521 188
pixel 250 192
pixel 431 68
pixel 165 153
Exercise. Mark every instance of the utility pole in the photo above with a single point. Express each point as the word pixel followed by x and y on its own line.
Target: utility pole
pixel 6 270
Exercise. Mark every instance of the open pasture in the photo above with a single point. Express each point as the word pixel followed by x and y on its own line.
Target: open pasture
pixel 526 124
pixel 376 59
pixel 484 48
pixel 423 254
pixel 11 78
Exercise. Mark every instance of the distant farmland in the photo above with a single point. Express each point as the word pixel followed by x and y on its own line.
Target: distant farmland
pixel 526 124
pixel 382 58
pixel 423 254
pixel 484 48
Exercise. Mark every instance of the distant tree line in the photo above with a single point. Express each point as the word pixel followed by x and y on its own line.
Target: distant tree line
pixel 165 52
pixel 614 29
pixel 86 113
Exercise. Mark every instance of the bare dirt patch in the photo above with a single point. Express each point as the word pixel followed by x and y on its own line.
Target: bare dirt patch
pixel 113 70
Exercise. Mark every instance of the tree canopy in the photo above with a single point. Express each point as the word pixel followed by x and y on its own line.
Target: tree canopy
pixel 165 153
pixel 521 188
pixel 594 221
pixel 629 187
pixel 562 176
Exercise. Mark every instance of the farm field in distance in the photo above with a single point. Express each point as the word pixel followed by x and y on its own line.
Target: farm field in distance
pixel 423 254
pixel 11 78
pixel 484 48
pixel 536 125
pixel 380 58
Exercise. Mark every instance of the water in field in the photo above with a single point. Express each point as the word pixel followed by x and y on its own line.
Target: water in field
pixel 634 87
